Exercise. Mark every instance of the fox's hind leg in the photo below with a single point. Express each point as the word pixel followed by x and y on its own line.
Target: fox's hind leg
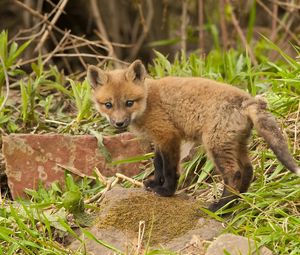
pixel 226 162
pixel 247 169
pixel 158 172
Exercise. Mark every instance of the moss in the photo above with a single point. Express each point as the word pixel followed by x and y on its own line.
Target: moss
pixel 165 218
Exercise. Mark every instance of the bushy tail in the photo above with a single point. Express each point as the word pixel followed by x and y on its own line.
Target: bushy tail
pixel 266 126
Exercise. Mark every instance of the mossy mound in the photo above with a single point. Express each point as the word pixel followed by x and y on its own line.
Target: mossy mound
pixel 165 218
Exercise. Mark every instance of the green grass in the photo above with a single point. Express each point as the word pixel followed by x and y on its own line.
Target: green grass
pixel 48 101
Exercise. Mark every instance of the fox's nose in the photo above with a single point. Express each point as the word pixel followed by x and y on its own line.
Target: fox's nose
pixel 120 124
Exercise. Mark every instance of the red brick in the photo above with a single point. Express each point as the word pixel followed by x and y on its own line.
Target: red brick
pixel 31 158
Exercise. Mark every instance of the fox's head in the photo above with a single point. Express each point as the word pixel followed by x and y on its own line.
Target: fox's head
pixel 119 95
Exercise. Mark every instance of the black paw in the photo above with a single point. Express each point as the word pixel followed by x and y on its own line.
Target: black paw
pixel 151 184
pixel 215 206
pixel 221 203
pixel 164 191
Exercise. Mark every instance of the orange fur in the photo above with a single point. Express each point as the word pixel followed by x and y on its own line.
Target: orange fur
pixel 171 109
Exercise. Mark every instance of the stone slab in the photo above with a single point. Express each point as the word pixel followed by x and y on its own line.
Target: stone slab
pixel 235 245
pixel 30 158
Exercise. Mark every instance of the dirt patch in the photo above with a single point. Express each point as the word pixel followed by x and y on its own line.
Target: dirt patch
pixel 165 218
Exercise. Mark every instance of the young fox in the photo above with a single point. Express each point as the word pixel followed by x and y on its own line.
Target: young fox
pixel 172 109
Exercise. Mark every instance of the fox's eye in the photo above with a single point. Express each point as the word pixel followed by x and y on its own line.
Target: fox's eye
pixel 129 103
pixel 108 105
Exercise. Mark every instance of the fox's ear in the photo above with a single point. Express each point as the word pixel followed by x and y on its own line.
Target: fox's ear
pixel 136 72
pixel 96 76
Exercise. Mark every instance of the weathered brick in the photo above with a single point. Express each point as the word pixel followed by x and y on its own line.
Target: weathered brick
pixel 30 158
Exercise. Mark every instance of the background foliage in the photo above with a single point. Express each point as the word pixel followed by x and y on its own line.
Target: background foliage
pixel 250 44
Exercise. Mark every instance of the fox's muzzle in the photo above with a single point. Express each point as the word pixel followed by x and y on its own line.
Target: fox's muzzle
pixel 120 124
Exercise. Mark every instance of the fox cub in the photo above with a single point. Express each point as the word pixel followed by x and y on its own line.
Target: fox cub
pixel 171 109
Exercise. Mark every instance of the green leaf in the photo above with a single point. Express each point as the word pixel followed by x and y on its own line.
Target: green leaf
pixel 73 201
pixel 101 145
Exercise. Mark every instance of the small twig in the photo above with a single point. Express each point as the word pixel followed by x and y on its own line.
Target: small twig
pixel 74 55
pixel 98 19
pixel 224 33
pixel 53 21
pixel 133 181
pixel 7 84
pixel 201 23
pixel 30 31
pixel 242 36
pixel 89 56
pixel 65 60
pixel 287 4
pixel 36 14
pixel 142 18
pixel 143 35
pixel 141 233
pixel 57 47
pixel 279 21
pixel 75 171
pixel 80 58
pixel 274 22
pixel 183 25
pixel 100 176
pixel 100 195
pixel 103 34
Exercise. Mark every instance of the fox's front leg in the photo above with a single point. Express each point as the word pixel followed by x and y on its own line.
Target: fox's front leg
pixel 158 172
pixel 166 164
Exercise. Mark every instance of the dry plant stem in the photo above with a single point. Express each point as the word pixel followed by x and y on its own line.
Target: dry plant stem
pixel 7 84
pixel 75 171
pixel 74 55
pixel 201 24
pixel 26 16
pixel 146 29
pixel 288 31
pixel 142 227
pixel 274 22
pixel 100 176
pixel 126 178
pixel 287 4
pixel 242 36
pixel 103 34
pixel 57 48
pixel 100 195
pixel 80 58
pixel 98 19
pixel 142 18
pixel 224 33
pixel 55 8
pixel 110 49
pixel 66 62
pixel 53 21
pixel 89 56
pixel 36 14
pixel 183 25
pixel 32 35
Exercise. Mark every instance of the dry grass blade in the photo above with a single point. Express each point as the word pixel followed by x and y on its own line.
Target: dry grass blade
pixel 100 176
pixel 100 195
pixel 133 181
pixel 75 171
